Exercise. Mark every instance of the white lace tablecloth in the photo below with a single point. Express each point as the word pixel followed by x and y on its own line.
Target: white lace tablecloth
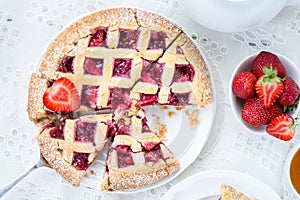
pixel 27 26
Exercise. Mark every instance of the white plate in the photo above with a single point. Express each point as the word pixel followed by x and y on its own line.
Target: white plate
pixel 206 186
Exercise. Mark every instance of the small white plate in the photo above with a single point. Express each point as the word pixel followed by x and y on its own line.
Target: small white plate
pixel 206 186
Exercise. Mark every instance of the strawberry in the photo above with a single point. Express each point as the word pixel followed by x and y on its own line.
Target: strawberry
pixel 267 59
pixel 256 115
pixel 243 85
pixel 282 127
pixel 290 93
pixel 62 96
pixel 269 87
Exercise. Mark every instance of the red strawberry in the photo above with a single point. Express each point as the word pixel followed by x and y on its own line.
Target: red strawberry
pixel 282 127
pixel 256 115
pixel 269 87
pixel 267 59
pixel 243 85
pixel 290 93
pixel 62 96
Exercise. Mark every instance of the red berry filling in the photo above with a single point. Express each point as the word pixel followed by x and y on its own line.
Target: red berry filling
pixel 66 65
pixel 157 40
pixel 93 66
pixel 98 38
pixel 85 131
pixel 80 160
pixel 152 71
pixel 128 38
pixel 149 145
pixel 122 67
pixel 147 99
pixel 145 127
pixel 119 98
pixel 55 132
pixel 184 73
pixel 124 156
pixel 123 128
pixel 111 128
pixel 89 94
pixel 178 99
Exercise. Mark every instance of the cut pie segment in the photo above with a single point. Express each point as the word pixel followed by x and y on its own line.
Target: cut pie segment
pixel 137 157
pixel 70 146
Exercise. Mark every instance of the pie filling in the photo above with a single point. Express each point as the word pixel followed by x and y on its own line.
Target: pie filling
pixel 128 38
pixel 85 131
pixel 184 73
pixel 81 160
pixel 66 65
pixel 55 131
pixel 119 99
pixel 152 72
pixel 89 95
pixel 152 153
pixel 122 67
pixel 98 38
pixel 157 40
pixel 93 66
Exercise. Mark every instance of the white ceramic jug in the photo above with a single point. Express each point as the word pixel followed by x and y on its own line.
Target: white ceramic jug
pixel 233 15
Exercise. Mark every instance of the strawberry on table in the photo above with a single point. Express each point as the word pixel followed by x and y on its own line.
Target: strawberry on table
pixel 268 59
pixel 290 93
pixel 269 87
pixel 282 127
pixel 62 96
pixel 255 114
pixel 243 85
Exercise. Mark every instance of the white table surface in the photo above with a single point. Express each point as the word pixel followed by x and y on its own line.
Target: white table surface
pixel 27 26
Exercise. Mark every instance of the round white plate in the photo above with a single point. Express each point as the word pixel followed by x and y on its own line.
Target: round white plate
pixel 206 186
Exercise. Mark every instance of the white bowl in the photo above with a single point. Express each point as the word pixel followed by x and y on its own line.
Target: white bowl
pixel 286 178
pixel 232 15
pixel 237 103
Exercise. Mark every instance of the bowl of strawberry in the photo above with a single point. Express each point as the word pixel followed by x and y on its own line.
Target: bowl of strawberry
pixel 264 94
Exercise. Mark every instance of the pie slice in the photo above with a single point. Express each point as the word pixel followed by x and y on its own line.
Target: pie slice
pixel 137 157
pixel 230 193
pixel 71 145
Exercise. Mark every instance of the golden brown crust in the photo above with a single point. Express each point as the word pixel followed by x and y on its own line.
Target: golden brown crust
pixel 35 106
pixel 124 180
pixel 230 193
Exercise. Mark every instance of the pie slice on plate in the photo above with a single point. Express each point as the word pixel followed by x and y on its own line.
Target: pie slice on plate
pixel 70 146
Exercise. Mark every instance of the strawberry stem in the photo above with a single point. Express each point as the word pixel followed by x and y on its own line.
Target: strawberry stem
pixel 270 75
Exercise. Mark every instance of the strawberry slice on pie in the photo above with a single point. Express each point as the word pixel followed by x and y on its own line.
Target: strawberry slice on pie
pixel 62 96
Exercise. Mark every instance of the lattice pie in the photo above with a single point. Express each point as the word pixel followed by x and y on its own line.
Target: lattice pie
pixel 119 59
